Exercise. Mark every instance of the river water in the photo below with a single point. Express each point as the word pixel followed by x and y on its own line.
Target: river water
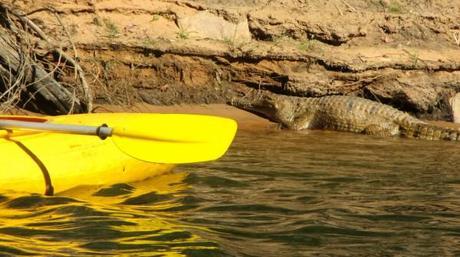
pixel 275 193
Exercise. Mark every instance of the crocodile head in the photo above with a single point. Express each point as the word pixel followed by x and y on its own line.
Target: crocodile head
pixel 273 107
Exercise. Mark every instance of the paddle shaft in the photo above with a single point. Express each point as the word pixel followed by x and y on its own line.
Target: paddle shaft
pixel 102 131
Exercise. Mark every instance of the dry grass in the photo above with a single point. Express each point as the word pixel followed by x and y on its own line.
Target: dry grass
pixel 456 37
pixel 16 78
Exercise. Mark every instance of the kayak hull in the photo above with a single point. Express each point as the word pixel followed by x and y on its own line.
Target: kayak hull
pixel 69 160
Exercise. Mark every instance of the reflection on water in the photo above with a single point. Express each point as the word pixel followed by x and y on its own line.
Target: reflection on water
pixel 118 219
pixel 274 194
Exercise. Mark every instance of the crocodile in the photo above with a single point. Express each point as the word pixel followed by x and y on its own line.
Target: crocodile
pixel 341 113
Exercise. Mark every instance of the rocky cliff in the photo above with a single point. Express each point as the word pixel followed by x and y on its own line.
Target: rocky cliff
pixel 399 52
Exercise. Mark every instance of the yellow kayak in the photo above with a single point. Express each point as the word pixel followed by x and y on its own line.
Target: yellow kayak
pixel 39 160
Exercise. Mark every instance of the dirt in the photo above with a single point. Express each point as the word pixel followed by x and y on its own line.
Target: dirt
pixel 400 52
pixel 246 121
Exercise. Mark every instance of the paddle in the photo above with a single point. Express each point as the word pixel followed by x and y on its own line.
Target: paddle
pixel 161 138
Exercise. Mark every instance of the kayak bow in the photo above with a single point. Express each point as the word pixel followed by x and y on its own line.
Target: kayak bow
pixel 139 146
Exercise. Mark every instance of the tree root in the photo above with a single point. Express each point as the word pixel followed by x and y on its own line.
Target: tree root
pixel 24 81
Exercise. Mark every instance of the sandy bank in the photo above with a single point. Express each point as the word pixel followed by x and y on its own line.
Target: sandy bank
pixel 246 120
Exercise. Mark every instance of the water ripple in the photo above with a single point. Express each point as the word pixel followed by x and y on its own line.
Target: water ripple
pixel 274 194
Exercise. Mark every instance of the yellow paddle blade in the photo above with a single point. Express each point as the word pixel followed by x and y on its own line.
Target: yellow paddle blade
pixel 176 138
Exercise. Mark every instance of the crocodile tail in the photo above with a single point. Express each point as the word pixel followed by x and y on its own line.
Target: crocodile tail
pixel 431 132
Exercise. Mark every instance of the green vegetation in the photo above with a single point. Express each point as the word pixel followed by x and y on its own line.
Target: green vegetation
pixel 229 41
pixel 155 17
pixel 98 21
pixel 237 46
pixel 111 28
pixel 306 45
pixel 149 42
pixel 413 57
pixel 394 7
pixel 278 39
pixel 183 33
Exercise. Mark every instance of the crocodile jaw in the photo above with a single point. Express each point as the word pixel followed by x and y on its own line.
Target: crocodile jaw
pixel 261 107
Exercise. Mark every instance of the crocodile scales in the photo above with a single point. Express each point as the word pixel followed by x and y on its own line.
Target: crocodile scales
pixel 342 113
